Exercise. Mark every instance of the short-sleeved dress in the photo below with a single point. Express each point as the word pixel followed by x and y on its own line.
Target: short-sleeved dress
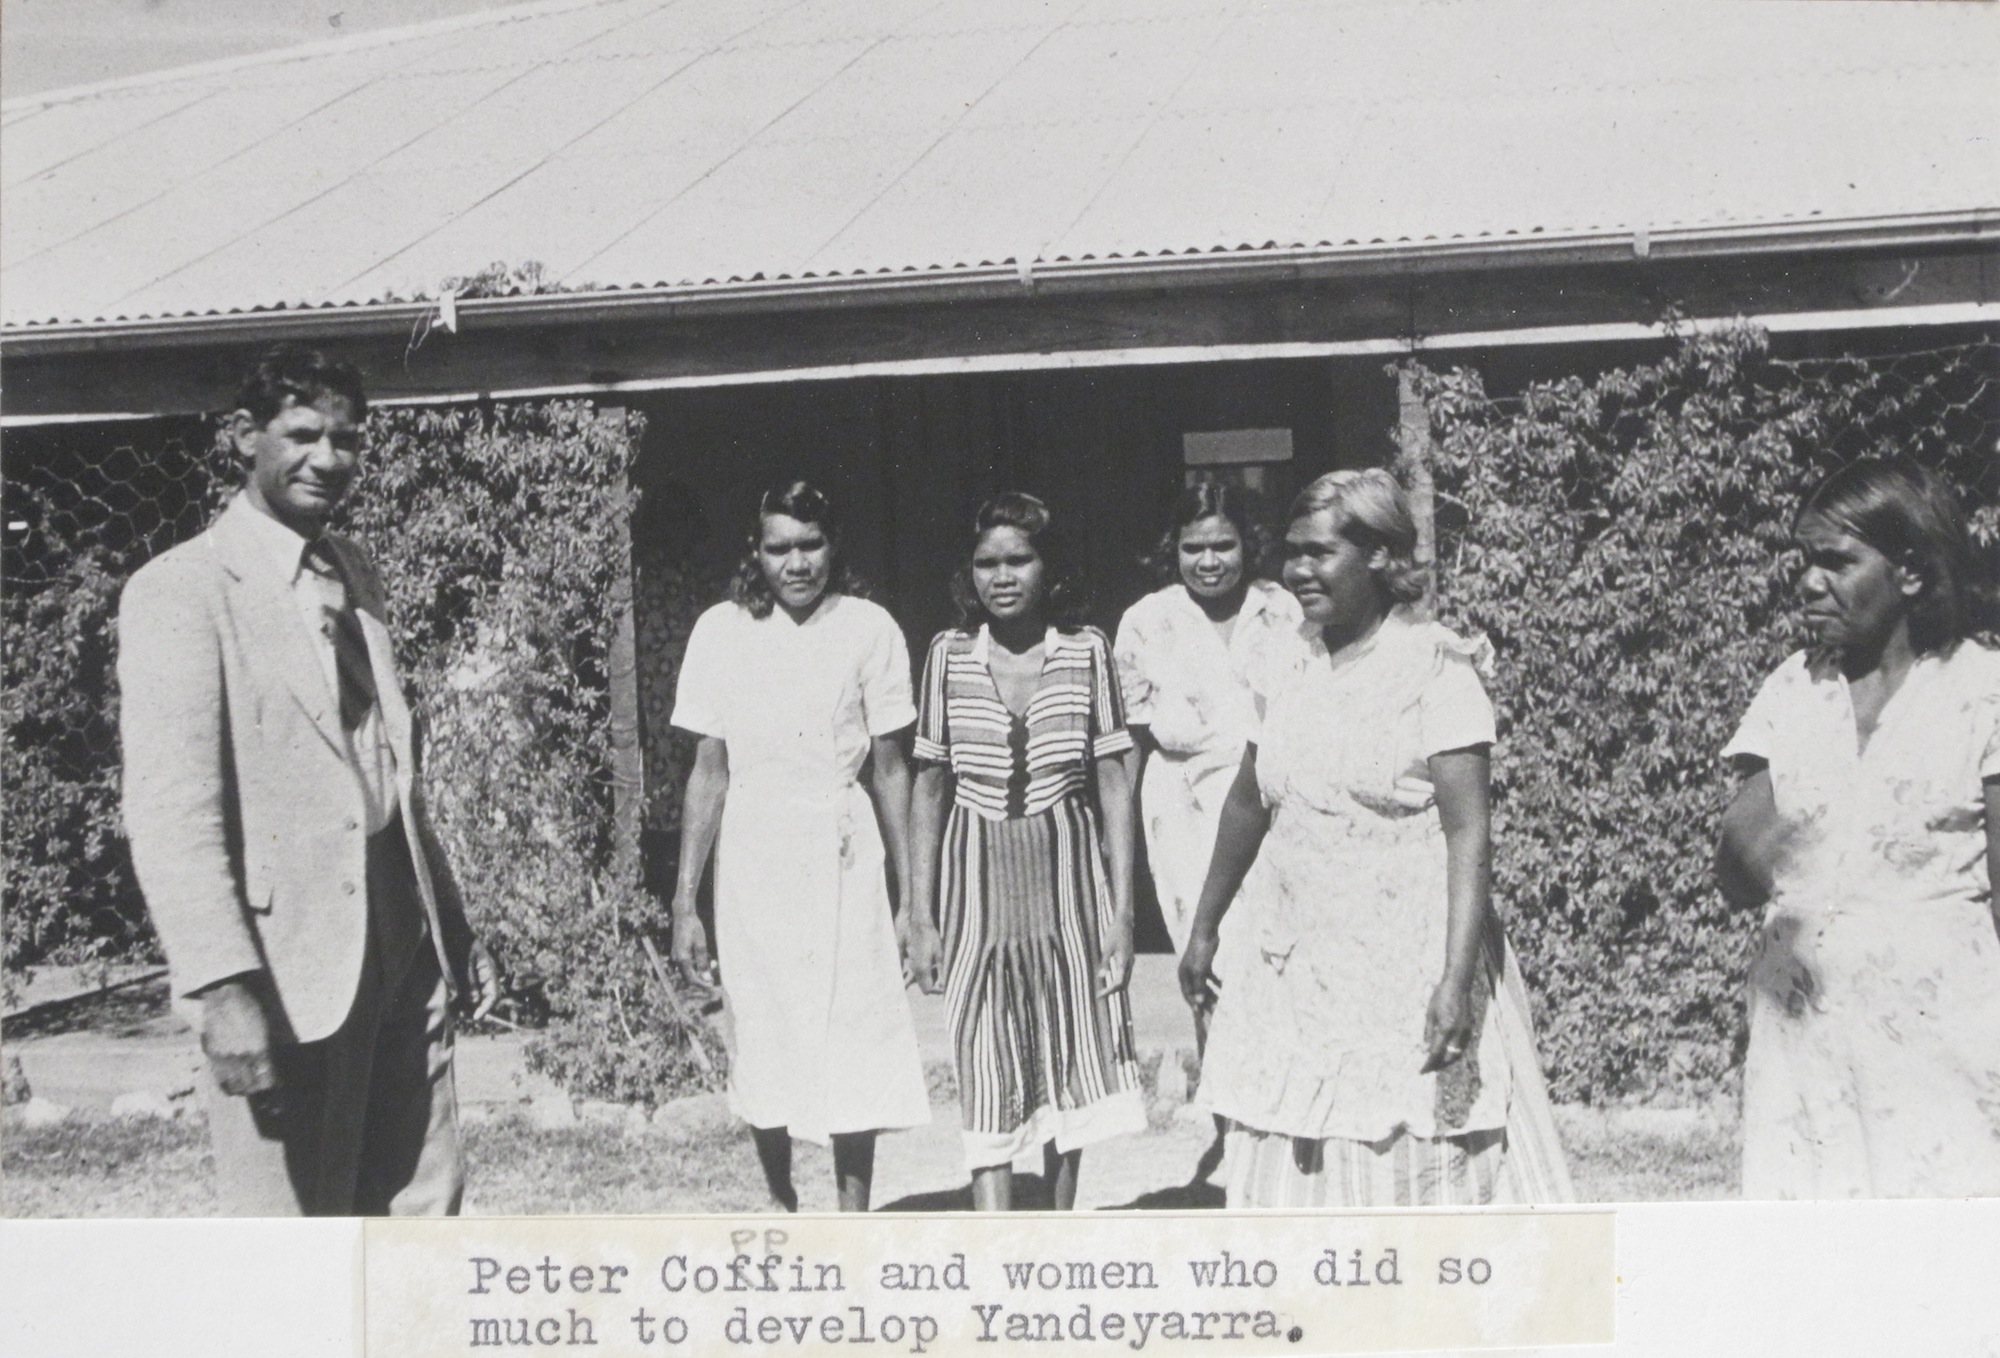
pixel 1024 901
pixel 824 1041
pixel 1190 688
pixel 1336 941
pixel 1874 1061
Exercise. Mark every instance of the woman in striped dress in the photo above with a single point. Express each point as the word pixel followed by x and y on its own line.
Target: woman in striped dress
pixel 1018 720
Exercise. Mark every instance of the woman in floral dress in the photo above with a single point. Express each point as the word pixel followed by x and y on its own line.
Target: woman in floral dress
pixel 1867 823
pixel 1369 1044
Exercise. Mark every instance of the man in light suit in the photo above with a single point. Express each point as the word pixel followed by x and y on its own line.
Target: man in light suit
pixel 278 830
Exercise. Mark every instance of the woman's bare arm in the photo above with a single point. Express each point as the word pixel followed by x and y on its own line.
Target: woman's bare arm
pixel 1114 806
pixel 889 789
pixel 929 798
pixel 701 818
pixel 1144 747
pixel 1746 851
pixel 1462 783
pixel 1239 835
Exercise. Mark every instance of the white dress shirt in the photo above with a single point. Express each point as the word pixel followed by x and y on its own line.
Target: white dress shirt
pixel 368 750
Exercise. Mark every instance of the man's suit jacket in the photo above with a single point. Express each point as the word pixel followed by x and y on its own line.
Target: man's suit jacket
pixel 245 817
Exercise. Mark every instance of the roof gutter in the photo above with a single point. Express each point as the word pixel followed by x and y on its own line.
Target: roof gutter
pixel 1218 267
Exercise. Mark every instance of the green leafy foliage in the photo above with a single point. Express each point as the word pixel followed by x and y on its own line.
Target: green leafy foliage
pixel 1625 542
pixel 69 895
pixel 501 533
pixel 84 509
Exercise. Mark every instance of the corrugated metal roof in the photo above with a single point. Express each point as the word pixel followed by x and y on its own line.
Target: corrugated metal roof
pixel 642 143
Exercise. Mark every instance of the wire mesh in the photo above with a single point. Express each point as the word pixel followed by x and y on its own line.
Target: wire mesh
pixel 1932 404
pixel 86 505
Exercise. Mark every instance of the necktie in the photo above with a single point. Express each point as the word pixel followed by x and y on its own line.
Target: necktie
pixel 350 647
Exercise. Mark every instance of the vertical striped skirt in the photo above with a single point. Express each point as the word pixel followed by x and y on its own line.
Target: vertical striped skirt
pixel 1268 1169
pixel 1041 1056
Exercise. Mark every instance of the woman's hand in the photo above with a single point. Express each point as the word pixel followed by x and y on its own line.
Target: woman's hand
pixel 1118 809
pixel 929 794
pixel 691 946
pixel 1785 970
pixel 1448 1024
pixel 1116 968
pixel 1197 972
pixel 923 954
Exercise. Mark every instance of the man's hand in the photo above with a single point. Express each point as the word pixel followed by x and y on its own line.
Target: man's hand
pixel 236 1035
pixel 483 975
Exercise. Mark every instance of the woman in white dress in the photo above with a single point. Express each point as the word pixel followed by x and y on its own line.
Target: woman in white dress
pixel 1867 824
pixel 1183 653
pixel 1370 1042
pixel 797 689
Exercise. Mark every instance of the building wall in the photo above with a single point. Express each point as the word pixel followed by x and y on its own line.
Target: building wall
pixel 908 460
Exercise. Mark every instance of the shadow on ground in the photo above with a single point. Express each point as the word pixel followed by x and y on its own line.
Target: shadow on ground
pixel 135 1008
pixel 1180 1198
pixel 1031 1194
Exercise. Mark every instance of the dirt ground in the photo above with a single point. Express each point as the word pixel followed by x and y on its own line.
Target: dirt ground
pixel 531 1150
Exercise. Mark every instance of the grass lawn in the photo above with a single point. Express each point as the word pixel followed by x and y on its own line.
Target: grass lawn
pixel 518 1169
pixel 1697 1164
pixel 152 1168
pixel 695 1159
pixel 157 1168
pixel 135 1167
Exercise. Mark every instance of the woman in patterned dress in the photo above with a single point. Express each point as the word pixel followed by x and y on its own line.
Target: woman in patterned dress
pixel 1867 823
pixel 1369 1043
pixel 795 687
pixel 1019 723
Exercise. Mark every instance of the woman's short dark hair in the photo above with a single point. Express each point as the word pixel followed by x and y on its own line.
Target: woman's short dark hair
pixel 801 500
pixel 294 373
pixel 1213 500
pixel 1065 599
pixel 1906 512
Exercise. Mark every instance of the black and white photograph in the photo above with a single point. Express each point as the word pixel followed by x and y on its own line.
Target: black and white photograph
pixel 964 606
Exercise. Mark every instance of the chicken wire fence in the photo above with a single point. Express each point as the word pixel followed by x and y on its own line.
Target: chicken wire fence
pixel 86 504
pixel 1925 404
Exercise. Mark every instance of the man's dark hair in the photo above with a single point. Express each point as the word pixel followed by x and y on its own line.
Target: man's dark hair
pixel 292 373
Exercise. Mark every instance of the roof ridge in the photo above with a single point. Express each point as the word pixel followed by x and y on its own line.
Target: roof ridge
pixel 374 37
